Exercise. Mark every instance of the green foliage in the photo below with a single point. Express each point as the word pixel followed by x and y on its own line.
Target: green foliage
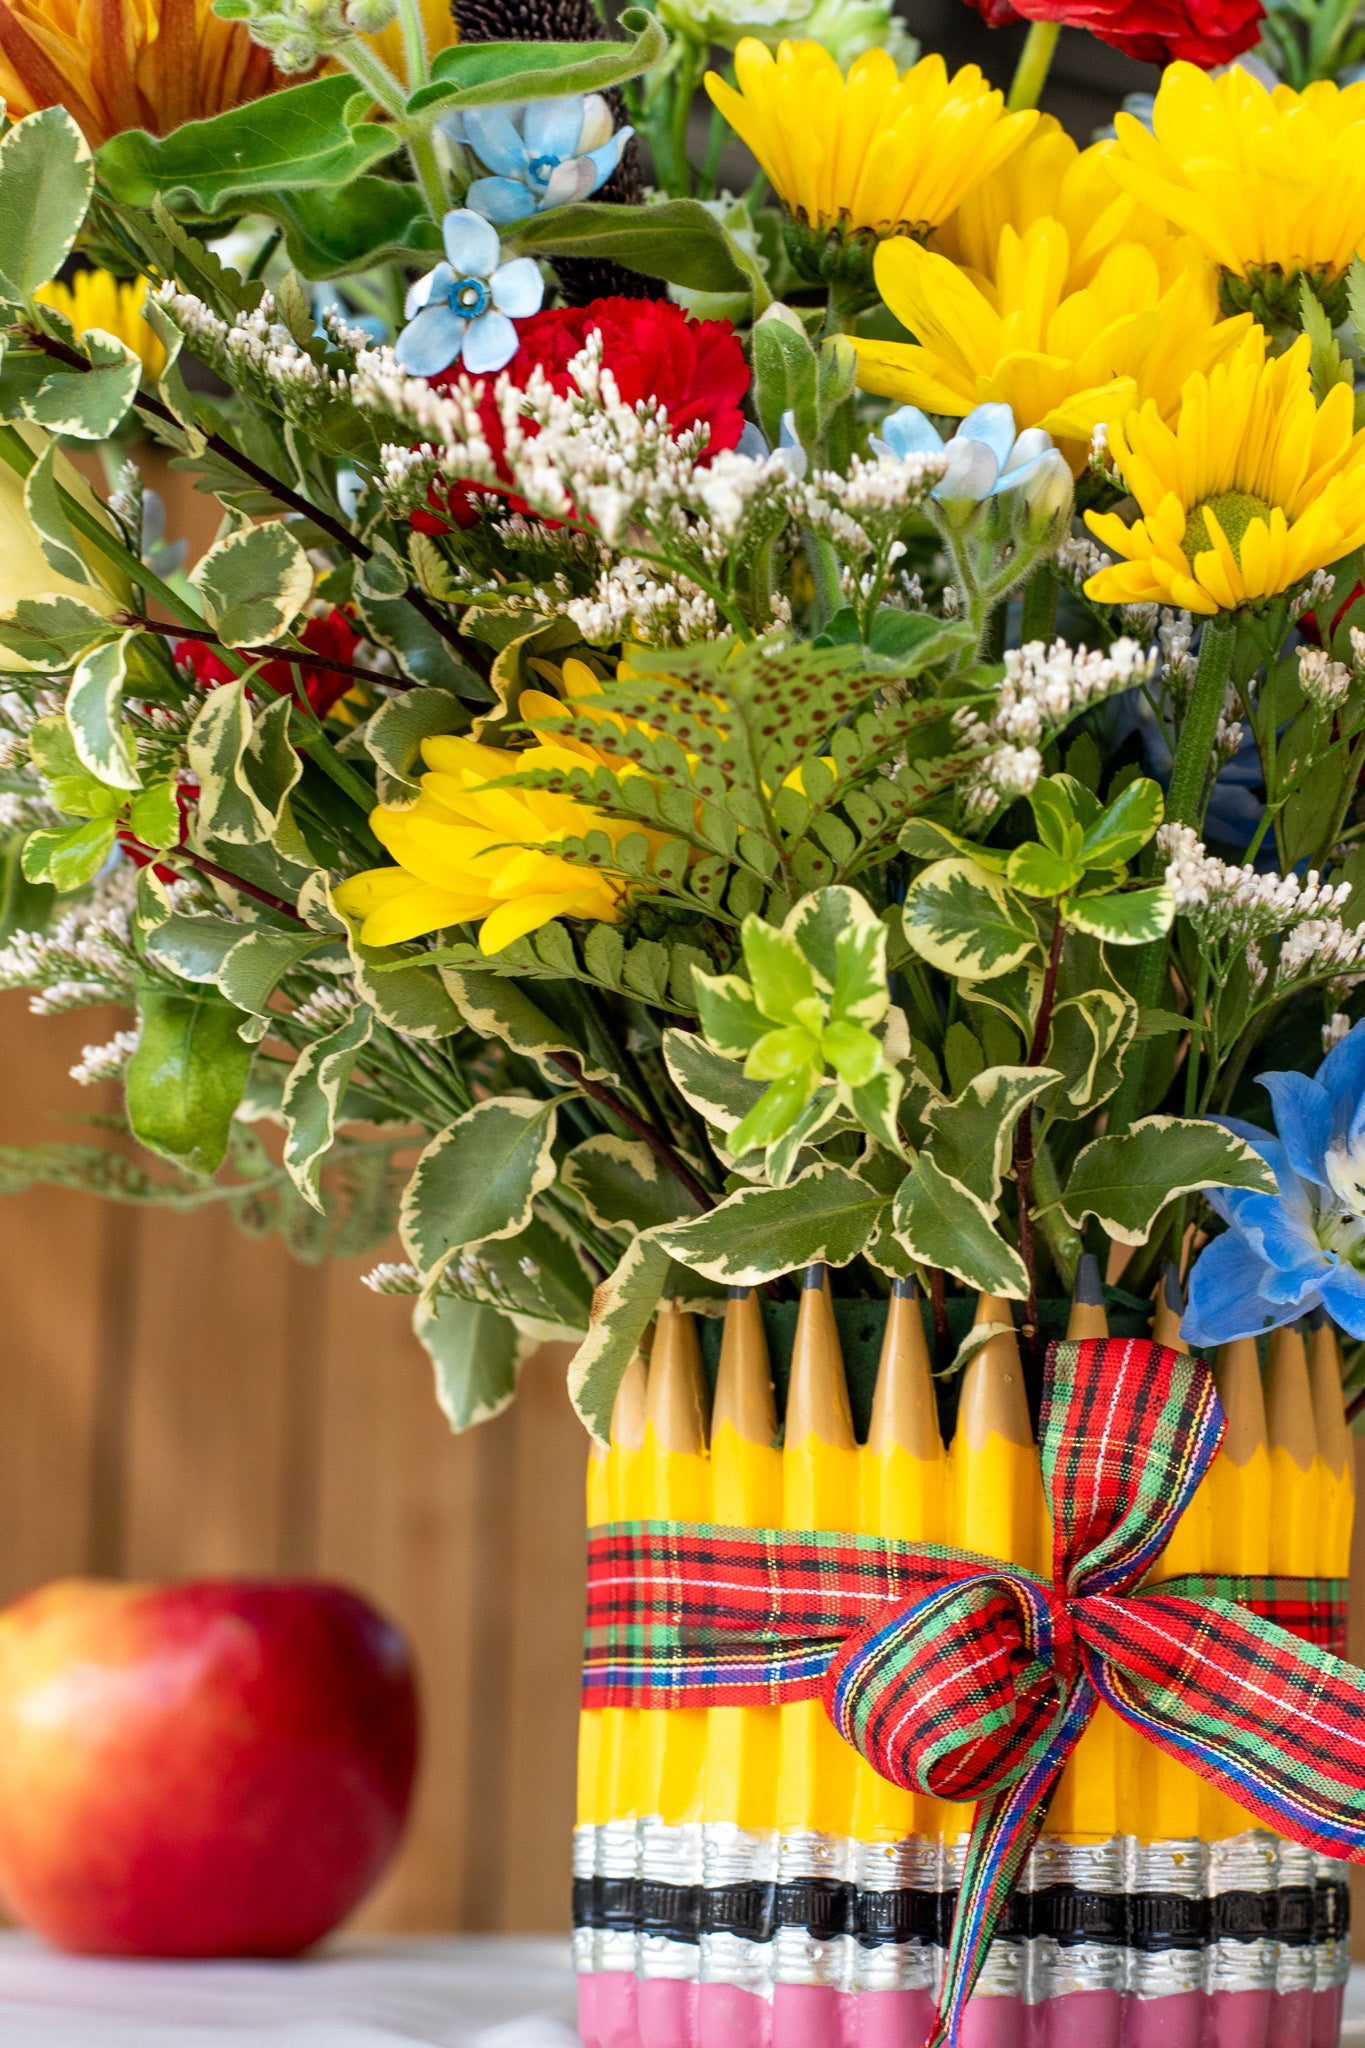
pixel 476 1353
pixel 1125 1182
pixel 46 178
pixel 826 1215
pixel 308 137
pixel 186 1077
pixel 490 74
pixel 477 1180
pixel 677 240
pixel 254 584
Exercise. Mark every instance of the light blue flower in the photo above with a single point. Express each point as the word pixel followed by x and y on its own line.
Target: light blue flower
pixel 753 442
pixel 466 307
pixel 985 455
pixel 1286 1254
pixel 542 154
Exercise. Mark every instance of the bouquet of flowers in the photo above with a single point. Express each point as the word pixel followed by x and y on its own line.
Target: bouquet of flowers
pixel 798 734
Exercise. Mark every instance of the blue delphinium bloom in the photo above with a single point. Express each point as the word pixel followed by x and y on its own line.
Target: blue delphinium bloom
pixel 1303 1248
pixel 542 154
pixel 985 455
pixel 466 307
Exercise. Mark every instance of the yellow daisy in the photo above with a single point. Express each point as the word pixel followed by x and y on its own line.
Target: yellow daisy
pixel 95 298
pixel 1048 177
pixel 881 152
pixel 1271 184
pixel 1253 488
pixel 1064 357
pixel 469 852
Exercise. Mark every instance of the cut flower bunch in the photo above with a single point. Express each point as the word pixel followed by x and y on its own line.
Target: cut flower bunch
pixel 721 728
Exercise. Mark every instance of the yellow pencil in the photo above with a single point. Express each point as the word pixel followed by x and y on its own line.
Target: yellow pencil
pixel 1240 1511
pixel 617 1854
pixel 815 1770
pixel 904 1494
pixel 1086 1805
pixel 1336 1448
pixel 672 1740
pixel 746 1478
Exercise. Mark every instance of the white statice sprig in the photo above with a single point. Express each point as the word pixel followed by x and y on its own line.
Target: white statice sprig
pixel 1325 683
pixel 1235 907
pixel 1043 688
pixel 105 1062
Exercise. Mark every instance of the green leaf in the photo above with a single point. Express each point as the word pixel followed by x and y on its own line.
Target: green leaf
pixel 827 1215
pixel 254 584
pixel 489 74
pixel 394 736
pixel 94 714
pixel 392 623
pixel 923 839
pixel 46 178
pixel 729 1016
pixel 219 749
pixel 622 1185
pixel 51 633
pixel 477 1180
pixel 154 815
pixel 622 1309
pixel 1053 814
pixel 252 969
pixel 785 373
pixel 1039 872
pixel 779 973
pixel 536 1276
pixel 677 240
pixel 403 991
pixel 288 141
pixel 1125 1182
pixel 966 923
pixel 193 947
pixel 1132 918
pixel 47 513
pixel 476 1352
pixel 87 404
pixel 331 231
pixel 939 1222
pixel 713 1085
pixel 974 1132
pixel 317 1081
pixel 1124 828
pixel 69 856
pixel 495 1006
pixel 186 1077
pixel 775 1113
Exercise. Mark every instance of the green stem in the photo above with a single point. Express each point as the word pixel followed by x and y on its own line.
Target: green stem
pixel 684 86
pixel 710 168
pixel 1040 605
pixel 1184 806
pixel 824 568
pixel 426 167
pixel 415 58
pixel 380 82
pixel 842 307
pixel 374 74
pixel 1192 1056
pixel 1035 61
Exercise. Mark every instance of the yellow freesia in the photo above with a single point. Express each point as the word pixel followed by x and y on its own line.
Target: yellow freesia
pixel 468 852
pixel 881 150
pixel 1050 178
pixel 95 298
pixel 1063 358
pixel 1253 488
pixel 1271 184
pixel 117 64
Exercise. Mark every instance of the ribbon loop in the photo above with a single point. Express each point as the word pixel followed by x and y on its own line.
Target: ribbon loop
pixel 958 1694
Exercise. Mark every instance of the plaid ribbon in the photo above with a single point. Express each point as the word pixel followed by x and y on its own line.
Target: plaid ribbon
pixel 959 1676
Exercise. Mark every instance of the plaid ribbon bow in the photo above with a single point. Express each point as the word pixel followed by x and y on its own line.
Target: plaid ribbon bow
pixel 969 1679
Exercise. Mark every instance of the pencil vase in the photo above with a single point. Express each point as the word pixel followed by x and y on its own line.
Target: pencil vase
pixel 743 1879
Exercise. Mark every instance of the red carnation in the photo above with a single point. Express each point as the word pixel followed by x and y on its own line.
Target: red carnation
pixel 331 634
pixel 1203 32
pixel 695 368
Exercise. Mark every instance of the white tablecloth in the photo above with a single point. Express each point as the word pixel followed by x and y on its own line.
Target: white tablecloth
pixel 473 1992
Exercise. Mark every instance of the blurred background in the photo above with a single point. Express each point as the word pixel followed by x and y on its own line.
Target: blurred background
pixel 177 1399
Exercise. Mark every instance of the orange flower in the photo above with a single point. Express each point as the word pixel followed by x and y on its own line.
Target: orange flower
pixel 117 64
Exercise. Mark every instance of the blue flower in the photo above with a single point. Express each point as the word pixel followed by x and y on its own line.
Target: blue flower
pixel 985 455
pixel 468 303
pixel 542 154
pixel 1285 1254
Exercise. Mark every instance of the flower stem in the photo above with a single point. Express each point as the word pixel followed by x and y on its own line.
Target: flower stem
pixel 1184 806
pixel 415 57
pixel 379 81
pixel 684 86
pixel 1035 61
pixel 1040 604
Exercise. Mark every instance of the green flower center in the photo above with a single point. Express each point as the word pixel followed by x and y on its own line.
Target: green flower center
pixel 1234 511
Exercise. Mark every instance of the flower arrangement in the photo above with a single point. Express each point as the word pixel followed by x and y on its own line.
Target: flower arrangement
pixel 726 740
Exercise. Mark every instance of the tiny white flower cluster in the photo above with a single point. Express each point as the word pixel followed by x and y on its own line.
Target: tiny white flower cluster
pixel 863 510
pixel 1325 682
pixel 107 1062
pixel 1316 593
pixel 392 1276
pixel 1078 559
pixel 635 601
pixel 326 1009
pixel 1043 687
pixel 1235 906
pixel 1227 737
pixel 86 957
pixel 254 342
pixel 1175 634
pixel 1335 1029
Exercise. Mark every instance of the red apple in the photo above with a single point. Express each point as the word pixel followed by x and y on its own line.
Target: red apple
pixel 219 1768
